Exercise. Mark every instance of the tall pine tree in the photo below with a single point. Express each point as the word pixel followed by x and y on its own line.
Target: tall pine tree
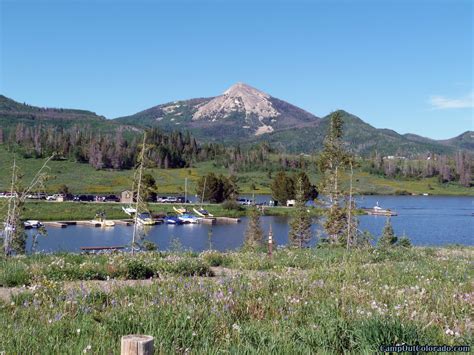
pixel 300 225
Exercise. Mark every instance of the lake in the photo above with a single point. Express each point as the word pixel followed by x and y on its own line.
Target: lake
pixel 427 220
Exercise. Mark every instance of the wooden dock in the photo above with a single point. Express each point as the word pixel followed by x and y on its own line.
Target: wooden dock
pixel 224 220
pixel 87 249
pixel 55 224
pixel 208 220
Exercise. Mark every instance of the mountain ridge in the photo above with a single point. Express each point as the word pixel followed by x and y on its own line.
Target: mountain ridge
pixel 293 130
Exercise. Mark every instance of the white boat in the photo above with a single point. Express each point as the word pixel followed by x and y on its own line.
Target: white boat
pixel 129 210
pixel 145 219
pixel 100 219
pixel 188 218
pixel 32 224
pixel 202 213
pixel 379 211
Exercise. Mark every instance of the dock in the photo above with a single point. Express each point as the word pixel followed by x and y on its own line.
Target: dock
pixel 55 224
pixel 87 249
pixel 224 220
pixel 208 220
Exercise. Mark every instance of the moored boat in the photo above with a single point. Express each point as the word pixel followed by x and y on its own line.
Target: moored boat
pixel 180 210
pixel 32 224
pixel 129 210
pixel 145 219
pixel 202 213
pixel 188 218
pixel 100 219
pixel 173 220
pixel 379 211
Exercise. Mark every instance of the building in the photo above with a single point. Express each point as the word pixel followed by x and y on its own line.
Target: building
pixel 126 196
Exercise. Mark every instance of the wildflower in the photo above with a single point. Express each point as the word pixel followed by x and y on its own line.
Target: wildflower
pixel 449 332
pixel 87 349
pixel 78 331
pixel 194 334
pixel 236 327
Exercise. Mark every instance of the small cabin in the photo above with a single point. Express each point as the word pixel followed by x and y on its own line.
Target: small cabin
pixel 126 196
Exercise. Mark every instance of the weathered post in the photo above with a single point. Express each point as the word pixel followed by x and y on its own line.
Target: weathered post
pixel 270 242
pixel 137 345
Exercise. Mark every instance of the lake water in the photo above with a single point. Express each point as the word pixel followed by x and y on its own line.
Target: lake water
pixel 427 220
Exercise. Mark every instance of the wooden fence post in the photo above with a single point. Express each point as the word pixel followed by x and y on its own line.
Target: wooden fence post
pixel 137 345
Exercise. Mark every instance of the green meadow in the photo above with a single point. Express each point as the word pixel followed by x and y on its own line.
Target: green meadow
pixel 82 178
pixel 325 301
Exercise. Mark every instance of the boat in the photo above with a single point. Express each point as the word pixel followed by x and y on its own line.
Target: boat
pixel 188 218
pixel 145 219
pixel 100 219
pixel 129 210
pixel 180 210
pixel 202 213
pixel 32 224
pixel 379 211
pixel 173 220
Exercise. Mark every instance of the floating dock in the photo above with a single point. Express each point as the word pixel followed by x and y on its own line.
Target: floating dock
pixel 227 220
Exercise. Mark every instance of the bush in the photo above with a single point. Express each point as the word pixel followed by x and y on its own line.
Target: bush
pixel 404 242
pixel 14 274
pixel 232 205
pixel 137 270
pixel 214 258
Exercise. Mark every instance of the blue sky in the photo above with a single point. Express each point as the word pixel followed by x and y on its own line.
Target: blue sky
pixel 404 65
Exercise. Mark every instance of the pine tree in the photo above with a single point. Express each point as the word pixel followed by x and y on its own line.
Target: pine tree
pixel 254 232
pixel 300 225
pixel 282 188
pixel 332 163
pixel 388 237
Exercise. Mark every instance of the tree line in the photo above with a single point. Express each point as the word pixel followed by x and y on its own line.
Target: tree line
pixel 446 168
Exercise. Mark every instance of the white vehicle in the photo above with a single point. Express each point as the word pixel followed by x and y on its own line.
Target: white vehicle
pixel 52 197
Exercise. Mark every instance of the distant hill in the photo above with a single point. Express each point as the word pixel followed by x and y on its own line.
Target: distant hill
pixel 13 113
pixel 243 115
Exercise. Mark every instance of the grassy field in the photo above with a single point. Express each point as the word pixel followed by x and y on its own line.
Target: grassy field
pixel 303 301
pixel 82 178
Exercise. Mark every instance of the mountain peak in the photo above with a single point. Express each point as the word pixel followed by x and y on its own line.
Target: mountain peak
pixel 244 90
pixel 240 98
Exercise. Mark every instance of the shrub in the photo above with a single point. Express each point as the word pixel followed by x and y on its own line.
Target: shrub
pixel 214 258
pixel 14 274
pixel 137 270
pixel 404 242
pixel 232 205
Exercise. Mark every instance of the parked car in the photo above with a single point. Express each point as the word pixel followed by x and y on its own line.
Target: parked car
pixel 170 199
pixel 83 198
pixel 181 199
pixel 161 199
pixel 244 201
pixel 112 198
pixel 52 197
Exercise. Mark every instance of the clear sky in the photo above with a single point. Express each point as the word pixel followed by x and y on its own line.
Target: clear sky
pixel 405 65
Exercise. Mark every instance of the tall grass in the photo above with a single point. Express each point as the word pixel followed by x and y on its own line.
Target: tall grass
pixel 310 301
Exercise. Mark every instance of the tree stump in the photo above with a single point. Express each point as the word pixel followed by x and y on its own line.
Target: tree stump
pixel 137 345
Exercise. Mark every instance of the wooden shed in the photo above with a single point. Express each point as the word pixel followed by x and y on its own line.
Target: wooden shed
pixel 126 196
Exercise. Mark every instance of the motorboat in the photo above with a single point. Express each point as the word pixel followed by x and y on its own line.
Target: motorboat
pixel 188 218
pixel 100 219
pixel 129 210
pixel 145 219
pixel 202 213
pixel 379 211
pixel 180 210
pixel 32 224
pixel 174 220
